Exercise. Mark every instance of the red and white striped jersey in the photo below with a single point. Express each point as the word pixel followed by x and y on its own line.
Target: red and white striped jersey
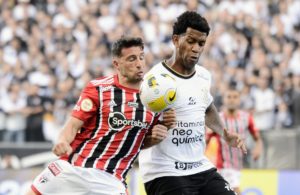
pixel 229 157
pixel 115 124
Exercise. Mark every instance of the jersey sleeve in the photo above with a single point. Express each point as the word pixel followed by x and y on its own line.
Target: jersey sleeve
pixel 251 126
pixel 87 104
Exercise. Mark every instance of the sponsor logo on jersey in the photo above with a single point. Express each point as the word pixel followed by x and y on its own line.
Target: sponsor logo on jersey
pixel 187 165
pixel 133 104
pixel 190 124
pixel 86 105
pixel 117 121
pixel 105 88
pixel 192 101
pixel 185 136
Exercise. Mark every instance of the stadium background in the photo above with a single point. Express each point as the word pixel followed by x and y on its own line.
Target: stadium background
pixel 49 49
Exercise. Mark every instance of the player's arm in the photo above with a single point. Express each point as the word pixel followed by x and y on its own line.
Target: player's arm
pixel 85 108
pixel 214 122
pixel 66 136
pixel 257 150
pixel 159 131
pixel 158 134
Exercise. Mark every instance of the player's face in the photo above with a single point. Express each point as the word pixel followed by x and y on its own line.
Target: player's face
pixel 232 100
pixel 189 47
pixel 131 64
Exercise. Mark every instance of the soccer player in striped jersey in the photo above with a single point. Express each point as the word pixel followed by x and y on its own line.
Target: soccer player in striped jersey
pixel 229 160
pixel 105 132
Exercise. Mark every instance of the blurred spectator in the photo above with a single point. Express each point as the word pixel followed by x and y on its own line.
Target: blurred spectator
pixel 264 105
pixel 296 100
pixel 56 45
pixel 15 122
pixel 34 110
pixel 9 161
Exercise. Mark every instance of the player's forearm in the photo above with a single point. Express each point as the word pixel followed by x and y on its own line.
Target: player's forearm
pixel 258 142
pixel 213 120
pixel 148 142
pixel 70 130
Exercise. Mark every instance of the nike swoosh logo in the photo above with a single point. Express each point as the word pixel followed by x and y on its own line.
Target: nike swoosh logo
pixel 173 97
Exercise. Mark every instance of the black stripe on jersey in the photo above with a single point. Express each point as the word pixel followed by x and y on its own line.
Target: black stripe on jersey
pixel 106 139
pixel 164 63
pixel 130 139
pixel 79 147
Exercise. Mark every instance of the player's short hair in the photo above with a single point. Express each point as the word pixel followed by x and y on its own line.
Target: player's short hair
pixel 125 42
pixel 190 19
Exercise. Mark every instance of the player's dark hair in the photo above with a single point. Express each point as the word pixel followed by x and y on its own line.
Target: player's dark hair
pixel 125 42
pixel 190 19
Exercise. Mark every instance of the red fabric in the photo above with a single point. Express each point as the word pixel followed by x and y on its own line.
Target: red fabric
pixel 35 190
pixel 100 144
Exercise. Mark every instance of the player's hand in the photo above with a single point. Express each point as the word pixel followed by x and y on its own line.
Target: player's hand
pixel 169 118
pixel 256 152
pixel 159 133
pixel 234 140
pixel 62 148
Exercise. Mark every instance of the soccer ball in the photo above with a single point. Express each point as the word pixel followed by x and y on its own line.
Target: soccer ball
pixel 158 92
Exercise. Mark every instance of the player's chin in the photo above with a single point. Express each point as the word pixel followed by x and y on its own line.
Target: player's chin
pixel 136 79
pixel 139 77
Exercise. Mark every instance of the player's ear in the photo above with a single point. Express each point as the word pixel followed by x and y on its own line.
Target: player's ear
pixel 175 39
pixel 115 63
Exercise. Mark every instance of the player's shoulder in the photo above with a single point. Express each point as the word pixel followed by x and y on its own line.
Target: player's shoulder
pixel 101 81
pixel 203 72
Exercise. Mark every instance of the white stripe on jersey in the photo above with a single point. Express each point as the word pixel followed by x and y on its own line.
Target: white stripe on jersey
pixel 132 146
pixel 95 135
pixel 113 137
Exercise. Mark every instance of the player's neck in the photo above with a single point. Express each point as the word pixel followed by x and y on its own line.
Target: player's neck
pixel 176 65
pixel 123 81
pixel 231 112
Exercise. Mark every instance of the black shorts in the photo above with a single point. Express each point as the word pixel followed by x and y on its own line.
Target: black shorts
pixel 209 182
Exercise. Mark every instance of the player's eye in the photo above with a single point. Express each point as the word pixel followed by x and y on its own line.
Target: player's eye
pixel 142 57
pixel 131 58
pixel 201 43
pixel 191 41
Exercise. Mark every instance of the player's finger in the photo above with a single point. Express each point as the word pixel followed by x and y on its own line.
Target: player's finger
pixel 69 150
pixel 243 148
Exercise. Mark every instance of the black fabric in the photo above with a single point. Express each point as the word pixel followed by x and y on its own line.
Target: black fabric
pixel 205 183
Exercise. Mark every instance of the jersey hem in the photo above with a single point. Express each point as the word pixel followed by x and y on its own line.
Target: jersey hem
pixel 176 174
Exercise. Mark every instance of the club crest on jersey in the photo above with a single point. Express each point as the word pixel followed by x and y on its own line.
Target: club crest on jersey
pixel 117 121
pixel 86 105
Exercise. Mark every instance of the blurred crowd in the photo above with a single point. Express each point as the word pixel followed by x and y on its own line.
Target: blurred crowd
pixel 49 50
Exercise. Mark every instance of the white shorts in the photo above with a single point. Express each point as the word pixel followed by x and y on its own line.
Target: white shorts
pixel 232 176
pixel 61 178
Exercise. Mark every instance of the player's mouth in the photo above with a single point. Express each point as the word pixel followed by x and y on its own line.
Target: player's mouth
pixel 194 58
pixel 140 73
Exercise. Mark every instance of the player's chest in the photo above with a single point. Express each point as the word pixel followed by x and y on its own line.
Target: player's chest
pixel 193 94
